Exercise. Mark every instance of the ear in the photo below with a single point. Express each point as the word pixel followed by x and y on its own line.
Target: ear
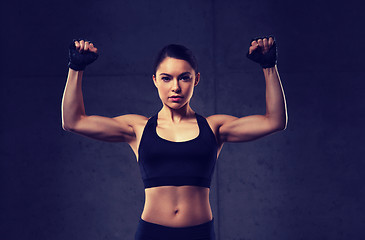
pixel 197 79
pixel 154 80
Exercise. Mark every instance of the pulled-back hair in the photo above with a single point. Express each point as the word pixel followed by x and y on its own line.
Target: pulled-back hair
pixel 178 52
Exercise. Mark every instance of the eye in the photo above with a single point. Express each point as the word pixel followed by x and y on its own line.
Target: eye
pixel 165 79
pixel 186 78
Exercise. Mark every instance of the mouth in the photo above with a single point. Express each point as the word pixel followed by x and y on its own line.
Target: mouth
pixel 176 98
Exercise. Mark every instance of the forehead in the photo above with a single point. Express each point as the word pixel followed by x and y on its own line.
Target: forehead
pixel 174 66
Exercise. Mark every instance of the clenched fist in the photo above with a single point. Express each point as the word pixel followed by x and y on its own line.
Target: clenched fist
pixel 81 54
pixel 263 51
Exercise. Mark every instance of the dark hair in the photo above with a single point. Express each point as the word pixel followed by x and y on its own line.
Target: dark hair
pixel 178 52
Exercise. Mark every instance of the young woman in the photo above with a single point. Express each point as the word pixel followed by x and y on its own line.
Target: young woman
pixel 177 148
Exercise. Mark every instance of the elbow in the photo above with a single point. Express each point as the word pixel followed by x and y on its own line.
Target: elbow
pixel 280 126
pixel 278 123
pixel 71 125
pixel 65 125
pixel 285 122
pixel 68 127
pixel 281 122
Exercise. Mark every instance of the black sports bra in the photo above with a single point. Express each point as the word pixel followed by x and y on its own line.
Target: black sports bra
pixel 166 163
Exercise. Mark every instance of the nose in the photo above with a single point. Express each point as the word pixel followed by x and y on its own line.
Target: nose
pixel 176 86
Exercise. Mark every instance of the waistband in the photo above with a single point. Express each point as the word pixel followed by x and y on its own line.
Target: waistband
pixel 203 225
pixel 152 231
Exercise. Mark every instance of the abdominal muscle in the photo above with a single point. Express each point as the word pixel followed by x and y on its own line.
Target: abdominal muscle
pixel 174 206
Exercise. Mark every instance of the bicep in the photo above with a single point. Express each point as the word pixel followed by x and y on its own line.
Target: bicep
pixel 118 129
pixel 246 128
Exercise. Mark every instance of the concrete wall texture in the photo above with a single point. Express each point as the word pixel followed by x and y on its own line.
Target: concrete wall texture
pixel 303 183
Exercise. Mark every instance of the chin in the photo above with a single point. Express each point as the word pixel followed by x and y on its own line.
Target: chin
pixel 176 105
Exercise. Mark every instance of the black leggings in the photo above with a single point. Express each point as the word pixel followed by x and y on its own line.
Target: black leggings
pixel 152 231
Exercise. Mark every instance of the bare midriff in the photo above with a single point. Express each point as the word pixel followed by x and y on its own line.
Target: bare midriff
pixel 177 206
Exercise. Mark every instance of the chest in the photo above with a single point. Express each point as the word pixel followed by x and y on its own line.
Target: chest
pixel 178 133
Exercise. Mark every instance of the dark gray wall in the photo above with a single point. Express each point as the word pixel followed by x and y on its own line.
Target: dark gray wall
pixel 302 183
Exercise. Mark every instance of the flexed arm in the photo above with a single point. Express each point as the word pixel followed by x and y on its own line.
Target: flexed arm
pixel 276 110
pixel 263 51
pixel 74 118
pixel 81 53
pixel 233 129
pixel 72 109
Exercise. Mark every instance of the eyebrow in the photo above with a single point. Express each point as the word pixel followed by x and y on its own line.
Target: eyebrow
pixel 179 75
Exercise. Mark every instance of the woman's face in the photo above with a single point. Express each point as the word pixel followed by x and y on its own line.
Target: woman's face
pixel 175 80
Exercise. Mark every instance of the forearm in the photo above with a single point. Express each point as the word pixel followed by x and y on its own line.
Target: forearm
pixel 276 109
pixel 72 102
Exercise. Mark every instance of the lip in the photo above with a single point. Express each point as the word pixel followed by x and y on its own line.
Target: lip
pixel 176 98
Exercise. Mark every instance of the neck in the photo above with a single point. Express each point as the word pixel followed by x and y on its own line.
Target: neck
pixel 176 115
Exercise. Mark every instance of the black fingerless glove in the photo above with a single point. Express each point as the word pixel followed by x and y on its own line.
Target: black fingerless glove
pixel 267 60
pixel 79 60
